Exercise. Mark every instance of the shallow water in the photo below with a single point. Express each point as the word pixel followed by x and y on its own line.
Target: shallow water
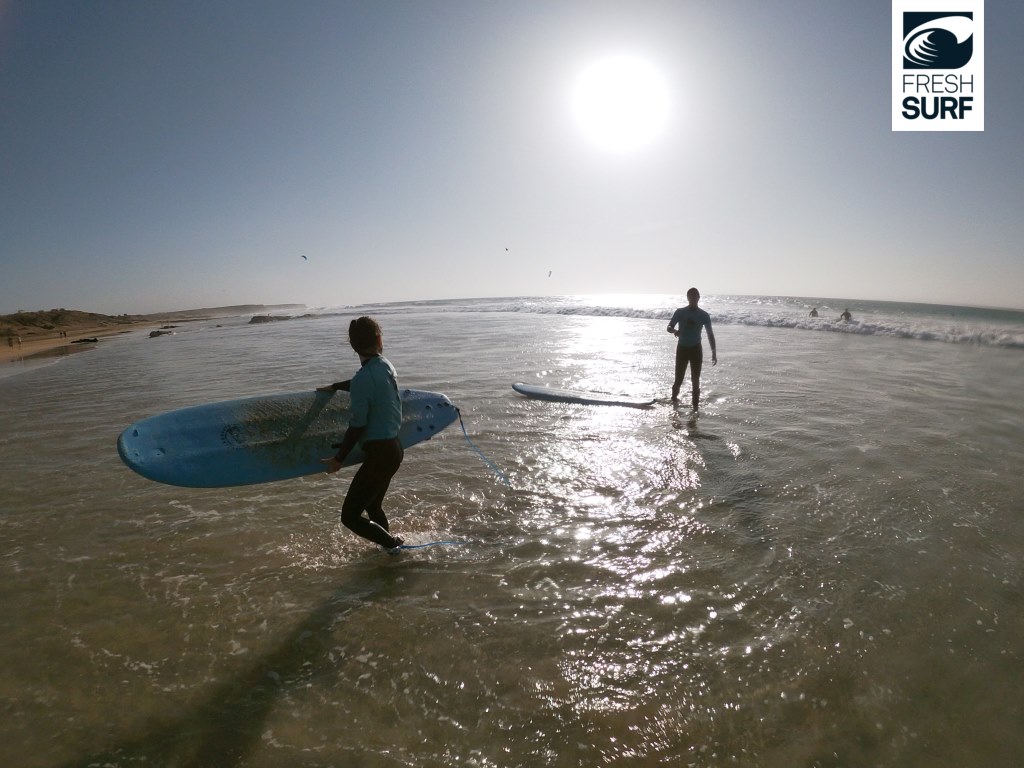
pixel 822 569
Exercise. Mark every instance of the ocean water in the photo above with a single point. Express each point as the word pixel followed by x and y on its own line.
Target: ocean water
pixel 823 568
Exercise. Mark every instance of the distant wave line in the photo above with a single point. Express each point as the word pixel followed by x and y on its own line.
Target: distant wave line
pixel 762 314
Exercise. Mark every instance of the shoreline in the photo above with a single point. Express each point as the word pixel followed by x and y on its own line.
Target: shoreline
pixel 44 345
pixel 28 335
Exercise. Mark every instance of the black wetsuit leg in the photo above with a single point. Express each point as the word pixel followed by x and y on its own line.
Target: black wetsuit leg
pixel 366 493
pixel 682 359
pixel 692 356
pixel 696 363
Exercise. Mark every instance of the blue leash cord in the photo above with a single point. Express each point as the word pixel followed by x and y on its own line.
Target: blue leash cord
pixel 500 475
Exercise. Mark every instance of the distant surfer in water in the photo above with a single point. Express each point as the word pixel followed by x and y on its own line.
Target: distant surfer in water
pixel 374 420
pixel 813 312
pixel 689 351
pixel 846 316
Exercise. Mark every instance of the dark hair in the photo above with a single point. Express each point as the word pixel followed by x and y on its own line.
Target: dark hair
pixel 363 333
pixel 692 290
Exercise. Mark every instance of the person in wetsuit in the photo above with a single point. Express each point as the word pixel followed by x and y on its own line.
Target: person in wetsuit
pixel 375 416
pixel 689 351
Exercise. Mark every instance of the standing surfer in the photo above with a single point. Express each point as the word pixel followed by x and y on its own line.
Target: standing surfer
pixel 374 420
pixel 689 351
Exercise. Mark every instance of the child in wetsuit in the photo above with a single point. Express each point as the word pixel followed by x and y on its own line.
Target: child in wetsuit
pixel 374 421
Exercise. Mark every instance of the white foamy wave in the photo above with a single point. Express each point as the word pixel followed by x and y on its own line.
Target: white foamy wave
pixel 924 322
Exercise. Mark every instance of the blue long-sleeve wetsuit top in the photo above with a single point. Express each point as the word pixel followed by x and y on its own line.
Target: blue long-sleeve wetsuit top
pixel 376 403
pixel 690 322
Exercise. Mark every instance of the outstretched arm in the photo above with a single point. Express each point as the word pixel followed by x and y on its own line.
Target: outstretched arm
pixel 342 386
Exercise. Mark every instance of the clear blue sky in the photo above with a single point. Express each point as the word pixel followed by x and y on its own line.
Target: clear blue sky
pixel 188 153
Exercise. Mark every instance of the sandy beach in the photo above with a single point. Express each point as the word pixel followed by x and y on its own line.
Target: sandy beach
pixel 30 334
pixel 35 344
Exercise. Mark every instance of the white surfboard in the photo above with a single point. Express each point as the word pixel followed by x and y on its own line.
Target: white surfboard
pixel 582 397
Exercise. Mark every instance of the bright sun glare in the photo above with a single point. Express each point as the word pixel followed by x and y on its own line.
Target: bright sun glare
pixel 621 103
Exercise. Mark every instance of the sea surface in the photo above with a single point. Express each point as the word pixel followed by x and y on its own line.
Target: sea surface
pixel 822 568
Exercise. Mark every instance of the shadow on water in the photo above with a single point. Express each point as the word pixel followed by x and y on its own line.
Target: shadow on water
pixel 733 481
pixel 223 730
pixel 686 419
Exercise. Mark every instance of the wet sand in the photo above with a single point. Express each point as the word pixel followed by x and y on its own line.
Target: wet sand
pixel 44 333
pixel 46 344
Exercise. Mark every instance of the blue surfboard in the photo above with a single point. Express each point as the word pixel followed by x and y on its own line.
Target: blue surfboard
pixel 262 439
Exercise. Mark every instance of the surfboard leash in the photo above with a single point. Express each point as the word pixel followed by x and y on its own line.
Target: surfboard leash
pixel 498 473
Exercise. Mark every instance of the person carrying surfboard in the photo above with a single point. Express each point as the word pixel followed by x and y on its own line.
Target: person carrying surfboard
pixel 375 419
pixel 689 351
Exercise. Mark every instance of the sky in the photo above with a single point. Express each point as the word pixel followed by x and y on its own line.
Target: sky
pixel 179 154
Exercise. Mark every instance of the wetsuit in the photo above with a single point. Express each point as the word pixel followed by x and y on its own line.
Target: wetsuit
pixel 689 350
pixel 376 411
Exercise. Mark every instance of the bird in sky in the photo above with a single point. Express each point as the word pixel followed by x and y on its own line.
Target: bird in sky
pixel 304 257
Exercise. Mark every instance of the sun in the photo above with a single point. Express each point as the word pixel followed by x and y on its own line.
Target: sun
pixel 621 103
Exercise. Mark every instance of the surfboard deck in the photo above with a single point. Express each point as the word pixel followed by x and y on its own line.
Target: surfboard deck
pixel 583 397
pixel 261 439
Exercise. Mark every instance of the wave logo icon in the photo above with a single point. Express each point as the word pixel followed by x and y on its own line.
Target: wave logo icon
pixel 937 40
